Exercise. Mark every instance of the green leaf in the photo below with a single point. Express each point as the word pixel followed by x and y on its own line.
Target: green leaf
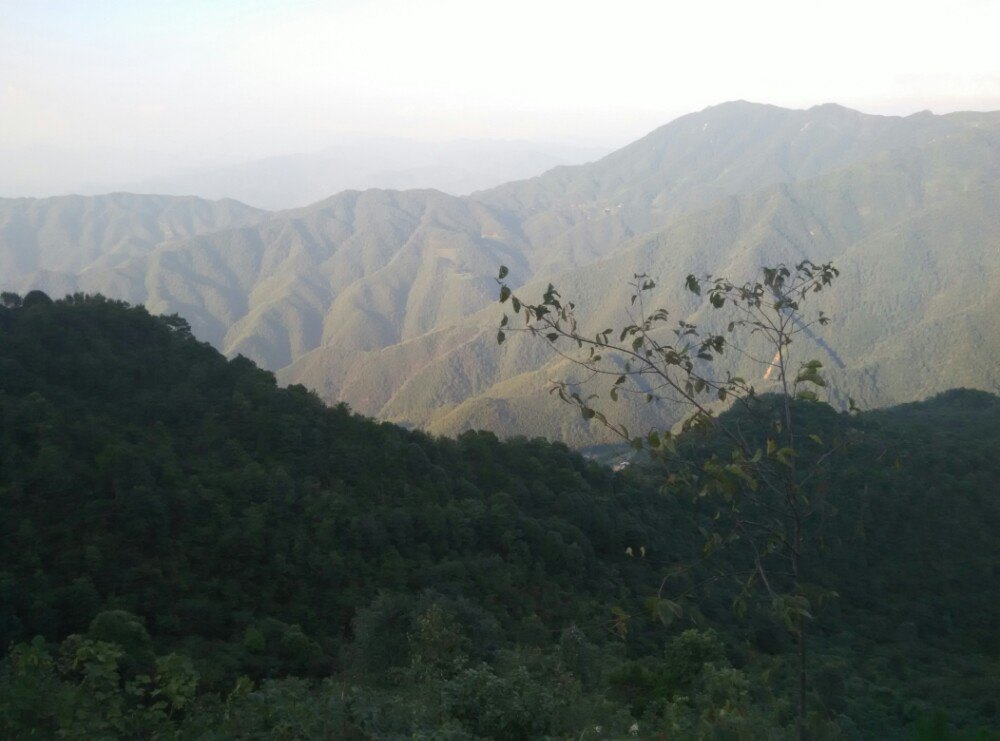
pixel 693 285
pixel 666 610
pixel 810 373
pixel 810 377
pixel 668 441
pixel 503 272
pixel 504 293
pixel 501 337
pixel 739 473
pixel 785 456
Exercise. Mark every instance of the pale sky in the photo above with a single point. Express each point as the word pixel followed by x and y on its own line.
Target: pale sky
pixel 211 80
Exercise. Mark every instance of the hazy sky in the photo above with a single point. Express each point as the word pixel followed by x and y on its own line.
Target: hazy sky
pixel 203 80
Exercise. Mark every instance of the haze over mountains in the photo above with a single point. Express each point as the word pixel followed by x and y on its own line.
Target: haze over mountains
pixel 386 300
pixel 293 180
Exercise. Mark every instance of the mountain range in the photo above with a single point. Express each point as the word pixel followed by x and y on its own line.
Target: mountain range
pixel 291 180
pixel 386 300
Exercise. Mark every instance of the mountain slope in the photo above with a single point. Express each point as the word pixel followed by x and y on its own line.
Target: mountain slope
pixel 382 298
pixel 174 522
pixel 69 234
pixel 914 232
pixel 731 149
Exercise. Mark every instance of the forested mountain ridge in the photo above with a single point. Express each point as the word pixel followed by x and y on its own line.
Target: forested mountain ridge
pixel 382 298
pixel 175 520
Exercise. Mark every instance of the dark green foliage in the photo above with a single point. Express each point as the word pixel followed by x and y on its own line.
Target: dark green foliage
pixel 126 631
pixel 203 553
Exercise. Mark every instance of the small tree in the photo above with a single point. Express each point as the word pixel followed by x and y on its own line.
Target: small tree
pixel 762 490
pixel 10 300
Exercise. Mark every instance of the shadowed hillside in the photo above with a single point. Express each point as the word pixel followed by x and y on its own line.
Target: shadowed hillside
pixel 201 553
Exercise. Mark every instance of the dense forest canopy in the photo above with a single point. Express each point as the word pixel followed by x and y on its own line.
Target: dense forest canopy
pixel 188 549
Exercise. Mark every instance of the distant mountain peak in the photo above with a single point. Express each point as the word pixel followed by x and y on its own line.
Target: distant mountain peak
pixel 832 107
